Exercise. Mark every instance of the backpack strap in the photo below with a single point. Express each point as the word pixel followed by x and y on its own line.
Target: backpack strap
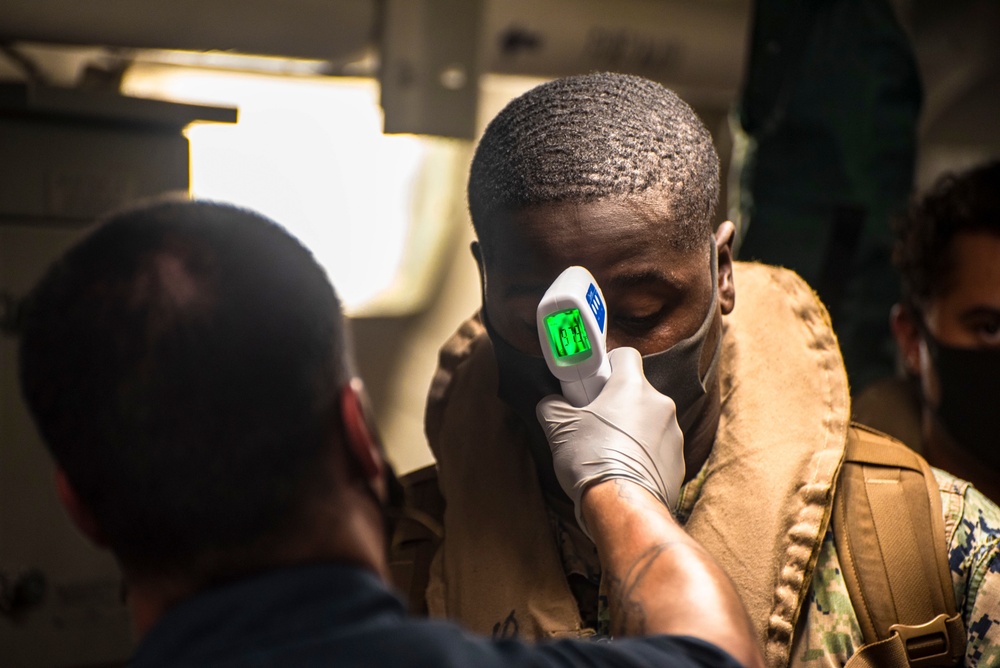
pixel 889 531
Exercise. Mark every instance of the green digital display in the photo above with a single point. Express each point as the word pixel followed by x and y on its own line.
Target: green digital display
pixel 568 336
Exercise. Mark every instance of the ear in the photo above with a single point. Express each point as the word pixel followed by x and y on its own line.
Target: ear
pixel 361 438
pixel 907 335
pixel 477 252
pixel 724 237
pixel 77 511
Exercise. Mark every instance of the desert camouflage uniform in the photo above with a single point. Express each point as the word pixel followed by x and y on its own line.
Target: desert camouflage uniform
pixel 828 630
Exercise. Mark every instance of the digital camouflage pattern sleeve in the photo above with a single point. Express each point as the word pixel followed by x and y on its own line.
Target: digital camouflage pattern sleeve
pixel 972 523
pixel 828 633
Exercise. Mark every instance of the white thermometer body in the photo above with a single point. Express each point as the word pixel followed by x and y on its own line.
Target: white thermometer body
pixel 572 329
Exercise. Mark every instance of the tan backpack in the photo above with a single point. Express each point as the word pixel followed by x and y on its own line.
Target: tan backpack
pixel 890 538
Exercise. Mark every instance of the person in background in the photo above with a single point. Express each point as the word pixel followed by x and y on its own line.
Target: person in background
pixel 817 180
pixel 186 364
pixel 947 253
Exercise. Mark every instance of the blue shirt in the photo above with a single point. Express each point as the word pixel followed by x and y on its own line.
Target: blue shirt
pixel 334 615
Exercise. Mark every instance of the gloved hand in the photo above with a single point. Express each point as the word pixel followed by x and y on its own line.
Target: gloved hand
pixel 629 431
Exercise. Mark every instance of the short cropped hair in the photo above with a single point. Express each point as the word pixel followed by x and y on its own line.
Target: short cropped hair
pixel 966 202
pixel 180 363
pixel 591 137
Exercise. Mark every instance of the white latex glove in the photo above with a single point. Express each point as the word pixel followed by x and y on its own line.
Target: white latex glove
pixel 629 431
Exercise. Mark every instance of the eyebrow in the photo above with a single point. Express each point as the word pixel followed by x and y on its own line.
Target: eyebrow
pixel 641 278
pixel 621 281
pixel 979 312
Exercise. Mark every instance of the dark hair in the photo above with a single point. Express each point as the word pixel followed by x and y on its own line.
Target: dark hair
pixel 591 137
pixel 967 202
pixel 180 363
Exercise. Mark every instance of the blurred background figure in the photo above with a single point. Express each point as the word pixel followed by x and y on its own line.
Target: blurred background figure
pixel 947 327
pixel 825 154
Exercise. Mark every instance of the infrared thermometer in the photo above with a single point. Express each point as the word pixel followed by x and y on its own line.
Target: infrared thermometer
pixel 572 328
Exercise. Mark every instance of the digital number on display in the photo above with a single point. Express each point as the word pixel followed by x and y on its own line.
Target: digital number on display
pixel 567 335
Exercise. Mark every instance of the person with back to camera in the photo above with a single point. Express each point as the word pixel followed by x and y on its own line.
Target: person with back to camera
pixel 821 524
pixel 186 365
pixel 947 328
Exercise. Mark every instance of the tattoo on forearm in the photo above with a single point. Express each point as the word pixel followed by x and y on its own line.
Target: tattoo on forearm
pixel 628 616
pixel 625 490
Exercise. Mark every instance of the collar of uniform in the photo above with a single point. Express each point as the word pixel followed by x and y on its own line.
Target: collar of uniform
pixel 763 500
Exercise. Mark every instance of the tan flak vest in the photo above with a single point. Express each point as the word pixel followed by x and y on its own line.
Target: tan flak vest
pixel 762 512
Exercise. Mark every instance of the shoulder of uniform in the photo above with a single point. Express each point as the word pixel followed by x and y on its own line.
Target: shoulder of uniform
pixel 950 484
pixel 418 530
pixel 974 506
pixel 460 344
pixel 422 494
pixel 456 350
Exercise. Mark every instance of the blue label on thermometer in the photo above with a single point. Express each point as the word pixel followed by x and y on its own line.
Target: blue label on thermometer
pixel 596 305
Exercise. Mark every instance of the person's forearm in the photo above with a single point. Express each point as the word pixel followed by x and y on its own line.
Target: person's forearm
pixel 658 579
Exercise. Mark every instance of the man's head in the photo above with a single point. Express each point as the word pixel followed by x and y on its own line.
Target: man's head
pixel 619 175
pixel 186 365
pixel 948 255
pixel 596 137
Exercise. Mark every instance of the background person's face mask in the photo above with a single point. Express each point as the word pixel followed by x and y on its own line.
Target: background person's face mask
pixel 675 372
pixel 968 385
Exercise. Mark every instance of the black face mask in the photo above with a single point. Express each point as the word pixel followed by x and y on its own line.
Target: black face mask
pixel 525 379
pixel 969 380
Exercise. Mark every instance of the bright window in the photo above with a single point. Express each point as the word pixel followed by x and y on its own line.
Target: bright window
pixel 308 151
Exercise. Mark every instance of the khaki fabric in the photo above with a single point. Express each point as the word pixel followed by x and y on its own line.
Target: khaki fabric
pixel 764 505
pixel 887 506
pixel 497 568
